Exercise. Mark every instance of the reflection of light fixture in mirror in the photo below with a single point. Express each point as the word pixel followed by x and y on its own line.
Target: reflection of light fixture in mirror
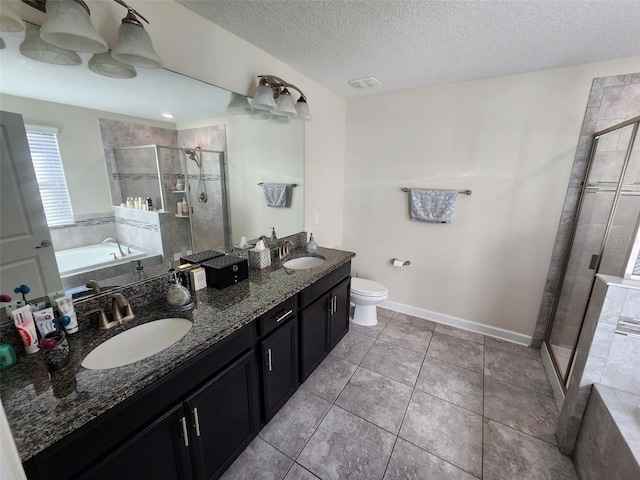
pixel 273 95
pixel 279 119
pixel 67 25
pixel 134 43
pixel 2 44
pixel 35 48
pixel 168 115
pixel 105 64
pixel 239 104
pixel 10 21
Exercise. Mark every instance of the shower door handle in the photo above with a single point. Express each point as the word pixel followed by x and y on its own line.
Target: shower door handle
pixel 594 262
pixel 44 244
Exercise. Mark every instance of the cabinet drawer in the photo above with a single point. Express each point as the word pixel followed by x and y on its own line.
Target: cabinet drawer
pixel 315 290
pixel 277 316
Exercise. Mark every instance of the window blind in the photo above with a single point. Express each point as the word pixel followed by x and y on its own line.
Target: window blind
pixel 45 155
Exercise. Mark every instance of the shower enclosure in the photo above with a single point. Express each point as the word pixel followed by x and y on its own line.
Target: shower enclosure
pixel 170 175
pixel 602 237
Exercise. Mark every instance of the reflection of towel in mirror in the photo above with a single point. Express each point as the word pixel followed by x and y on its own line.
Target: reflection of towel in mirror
pixel 433 206
pixel 275 194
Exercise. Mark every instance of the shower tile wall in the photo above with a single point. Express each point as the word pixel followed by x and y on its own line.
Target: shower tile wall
pixel 603 356
pixel 125 134
pixel 208 218
pixel 89 229
pixel 612 100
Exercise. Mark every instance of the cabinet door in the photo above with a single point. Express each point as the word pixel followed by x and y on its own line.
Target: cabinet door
pixel 314 344
pixel 279 367
pixel 160 452
pixel 339 312
pixel 224 418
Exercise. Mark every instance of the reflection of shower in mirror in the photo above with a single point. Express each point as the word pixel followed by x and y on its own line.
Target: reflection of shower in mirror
pixel 201 193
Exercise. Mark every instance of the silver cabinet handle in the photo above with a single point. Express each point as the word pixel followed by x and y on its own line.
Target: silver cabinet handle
pixel 332 306
pixel 185 434
pixel 196 422
pixel 44 244
pixel 269 359
pixel 335 304
pixel 284 316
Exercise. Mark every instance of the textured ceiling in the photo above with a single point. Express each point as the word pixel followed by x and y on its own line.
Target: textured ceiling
pixel 409 44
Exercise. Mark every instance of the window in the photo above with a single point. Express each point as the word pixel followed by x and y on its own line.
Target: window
pixel 43 144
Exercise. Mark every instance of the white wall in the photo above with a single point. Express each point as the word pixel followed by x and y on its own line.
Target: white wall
pixel 80 146
pixel 512 141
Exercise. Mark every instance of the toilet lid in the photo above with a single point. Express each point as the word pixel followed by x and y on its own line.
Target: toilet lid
pixel 368 288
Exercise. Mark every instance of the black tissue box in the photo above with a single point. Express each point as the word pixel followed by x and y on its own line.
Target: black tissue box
pixel 223 272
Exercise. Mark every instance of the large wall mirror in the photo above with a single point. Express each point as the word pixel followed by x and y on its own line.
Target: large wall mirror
pixel 115 144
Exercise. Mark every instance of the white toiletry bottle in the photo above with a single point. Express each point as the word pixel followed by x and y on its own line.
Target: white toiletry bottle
pixel 312 247
pixel 179 209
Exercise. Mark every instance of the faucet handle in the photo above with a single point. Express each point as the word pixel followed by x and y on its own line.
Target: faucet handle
pixel 103 321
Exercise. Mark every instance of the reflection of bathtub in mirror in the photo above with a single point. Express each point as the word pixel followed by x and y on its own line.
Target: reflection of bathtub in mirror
pixel 96 262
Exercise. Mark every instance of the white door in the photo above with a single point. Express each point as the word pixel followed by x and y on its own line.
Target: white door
pixel 26 252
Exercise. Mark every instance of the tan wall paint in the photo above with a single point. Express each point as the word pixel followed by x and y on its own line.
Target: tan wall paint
pixel 511 140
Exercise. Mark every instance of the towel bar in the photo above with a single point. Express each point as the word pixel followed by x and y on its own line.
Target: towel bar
pixel 290 184
pixel 465 192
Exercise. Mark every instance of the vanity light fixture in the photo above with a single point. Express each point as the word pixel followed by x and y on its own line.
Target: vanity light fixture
pixel 272 101
pixel 10 21
pixel 67 26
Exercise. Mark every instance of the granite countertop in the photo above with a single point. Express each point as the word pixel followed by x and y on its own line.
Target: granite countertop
pixel 42 408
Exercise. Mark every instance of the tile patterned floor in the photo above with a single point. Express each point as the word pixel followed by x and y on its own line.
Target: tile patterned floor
pixel 411 399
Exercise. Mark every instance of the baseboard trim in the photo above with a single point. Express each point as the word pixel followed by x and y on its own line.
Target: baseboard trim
pixel 556 386
pixel 458 322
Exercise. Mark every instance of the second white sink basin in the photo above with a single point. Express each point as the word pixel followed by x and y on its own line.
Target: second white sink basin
pixel 302 263
pixel 137 343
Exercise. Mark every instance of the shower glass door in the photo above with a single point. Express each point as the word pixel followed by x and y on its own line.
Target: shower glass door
pixel 607 215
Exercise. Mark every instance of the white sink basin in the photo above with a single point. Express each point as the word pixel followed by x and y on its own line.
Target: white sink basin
pixel 302 263
pixel 137 343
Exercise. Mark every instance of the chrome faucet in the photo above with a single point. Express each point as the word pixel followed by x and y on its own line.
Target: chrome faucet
pixel 107 240
pixel 93 285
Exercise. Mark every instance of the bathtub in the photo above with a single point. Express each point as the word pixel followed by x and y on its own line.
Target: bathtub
pixel 79 260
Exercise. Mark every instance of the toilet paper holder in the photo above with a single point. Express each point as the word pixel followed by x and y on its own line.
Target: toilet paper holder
pixel 396 262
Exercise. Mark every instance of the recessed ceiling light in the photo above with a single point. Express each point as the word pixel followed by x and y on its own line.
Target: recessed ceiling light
pixel 366 82
pixel 167 115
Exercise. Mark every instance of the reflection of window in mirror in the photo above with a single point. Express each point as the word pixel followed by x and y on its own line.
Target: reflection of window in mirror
pixel 47 163
pixel 632 269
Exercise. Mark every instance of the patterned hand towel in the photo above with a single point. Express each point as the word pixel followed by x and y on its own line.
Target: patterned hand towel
pixel 433 206
pixel 275 194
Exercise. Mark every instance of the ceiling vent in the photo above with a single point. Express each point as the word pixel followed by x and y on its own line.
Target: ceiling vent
pixel 366 82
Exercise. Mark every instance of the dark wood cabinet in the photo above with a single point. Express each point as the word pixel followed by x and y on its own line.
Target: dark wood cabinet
pixel 153 453
pixel 279 367
pixel 324 318
pixel 339 312
pixel 199 438
pixel 222 418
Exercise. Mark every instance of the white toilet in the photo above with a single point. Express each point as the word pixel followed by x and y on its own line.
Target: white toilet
pixel 365 295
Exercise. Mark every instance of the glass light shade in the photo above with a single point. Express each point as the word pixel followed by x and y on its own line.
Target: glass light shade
pixel 238 105
pixel 10 21
pixel 285 106
pixel 35 48
pixel 258 114
pixel 105 64
pixel 67 25
pixel 263 98
pixel 134 47
pixel 303 110
pixel 279 119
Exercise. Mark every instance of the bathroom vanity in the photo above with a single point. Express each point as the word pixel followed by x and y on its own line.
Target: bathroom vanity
pixel 190 410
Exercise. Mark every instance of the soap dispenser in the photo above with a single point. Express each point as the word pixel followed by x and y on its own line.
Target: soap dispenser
pixel 312 247
pixel 178 296
pixel 273 234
